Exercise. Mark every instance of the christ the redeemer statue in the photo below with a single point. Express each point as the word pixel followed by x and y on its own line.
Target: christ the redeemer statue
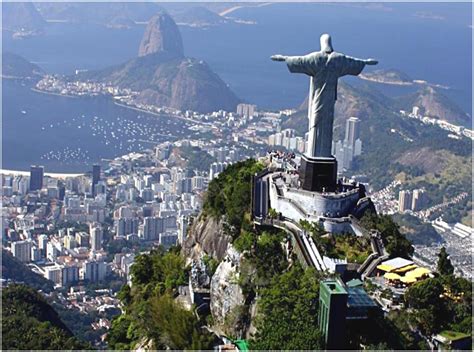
pixel 324 67
pixel 318 170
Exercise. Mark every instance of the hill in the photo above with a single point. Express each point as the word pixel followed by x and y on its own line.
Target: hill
pixel 164 77
pixel 394 77
pixel 435 104
pixel 197 16
pixel 21 17
pixel 30 323
pixel 111 14
pixel 15 66
pixel 362 102
pixel 14 270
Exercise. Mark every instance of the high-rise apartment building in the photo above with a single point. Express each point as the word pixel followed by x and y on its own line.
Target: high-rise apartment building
pixel 36 177
pixel 404 201
pixel 352 131
pixel 96 237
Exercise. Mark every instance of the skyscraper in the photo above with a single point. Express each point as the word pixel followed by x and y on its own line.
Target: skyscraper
pixel 95 177
pixel 418 199
pixel 352 131
pixel 246 110
pixel 404 201
pixel 36 177
pixel 96 237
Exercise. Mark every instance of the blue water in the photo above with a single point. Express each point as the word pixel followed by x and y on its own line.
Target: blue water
pixel 436 50
pixel 70 134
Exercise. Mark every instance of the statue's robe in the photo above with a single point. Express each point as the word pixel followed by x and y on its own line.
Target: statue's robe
pixel 324 69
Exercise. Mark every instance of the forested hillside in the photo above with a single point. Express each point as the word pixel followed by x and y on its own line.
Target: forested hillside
pixel 30 323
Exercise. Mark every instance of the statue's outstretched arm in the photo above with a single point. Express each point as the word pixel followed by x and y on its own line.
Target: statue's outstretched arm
pixel 371 62
pixel 354 66
pixel 278 57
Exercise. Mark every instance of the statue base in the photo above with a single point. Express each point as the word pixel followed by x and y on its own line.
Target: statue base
pixel 318 174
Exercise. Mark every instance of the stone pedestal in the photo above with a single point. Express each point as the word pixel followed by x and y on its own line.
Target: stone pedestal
pixel 318 174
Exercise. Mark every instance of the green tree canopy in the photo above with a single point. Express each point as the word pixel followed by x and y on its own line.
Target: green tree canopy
pixel 395 242
pixel 30 323
pixel 288 312
pixel 444 266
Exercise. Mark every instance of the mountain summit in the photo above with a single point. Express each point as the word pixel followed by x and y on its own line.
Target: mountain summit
pixel 161 34
pixel 165 77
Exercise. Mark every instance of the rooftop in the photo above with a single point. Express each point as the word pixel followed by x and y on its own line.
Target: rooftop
pixel 359 298
pixel 334 286
pixel 394 264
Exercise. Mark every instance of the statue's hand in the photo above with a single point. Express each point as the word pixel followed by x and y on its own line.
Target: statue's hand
pixel 371 62
pixel 278 58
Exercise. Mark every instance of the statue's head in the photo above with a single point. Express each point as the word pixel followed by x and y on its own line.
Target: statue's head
pixel 326 45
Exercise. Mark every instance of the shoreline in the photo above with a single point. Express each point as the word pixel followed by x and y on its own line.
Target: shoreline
pixel 49 174
pixel 162 115
pixel 237 7
pixel 51 93
pixel 381 81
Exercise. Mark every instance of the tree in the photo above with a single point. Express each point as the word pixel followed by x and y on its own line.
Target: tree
pixel 288 312
pixel 179 328
pixel 395 242
pixel 444 263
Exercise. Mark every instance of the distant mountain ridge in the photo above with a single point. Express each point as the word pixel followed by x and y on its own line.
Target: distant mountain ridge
pixel 21 16
pixel 103 13
pixel 361 102
pixel 15 66
pixel 364 101
pixel 392 76
pixel 198 16
pixel 164 77
pixel 394 145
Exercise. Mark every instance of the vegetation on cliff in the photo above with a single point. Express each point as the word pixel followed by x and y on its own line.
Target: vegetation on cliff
pixel 442 302
pixel 229 194
pixel 288 312
pixel 396 244
pixel 30 323
pixel 150 311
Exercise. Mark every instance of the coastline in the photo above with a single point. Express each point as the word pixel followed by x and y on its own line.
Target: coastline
pixel 51 93
pixel 49 174
pixel 382 81
pixel 162 115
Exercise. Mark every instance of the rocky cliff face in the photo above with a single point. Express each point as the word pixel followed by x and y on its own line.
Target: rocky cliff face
pixel 227 299
pixel 206 236
pixel 193 86
pixel 161 34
